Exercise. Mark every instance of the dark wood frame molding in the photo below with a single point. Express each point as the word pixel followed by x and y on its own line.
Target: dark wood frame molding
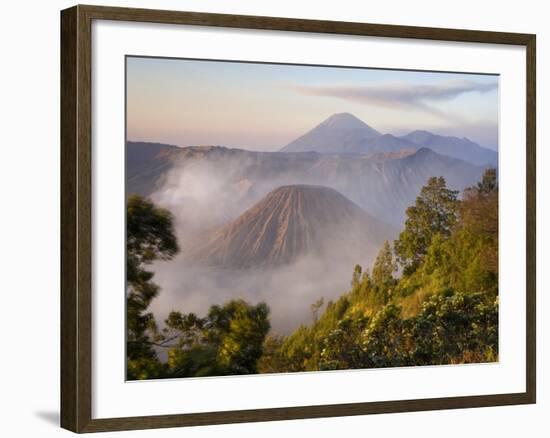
pixel 76 243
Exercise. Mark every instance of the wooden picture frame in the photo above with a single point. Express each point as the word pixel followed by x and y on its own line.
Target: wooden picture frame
pixel 76 217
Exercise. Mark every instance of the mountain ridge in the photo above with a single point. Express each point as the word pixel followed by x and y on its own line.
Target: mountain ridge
pixel 383 184
pixel 461 148
pixel 344 133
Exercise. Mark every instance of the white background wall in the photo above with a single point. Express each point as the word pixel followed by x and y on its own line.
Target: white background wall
pixel 29 215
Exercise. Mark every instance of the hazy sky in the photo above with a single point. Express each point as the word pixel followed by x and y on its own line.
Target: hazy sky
pixel 266 106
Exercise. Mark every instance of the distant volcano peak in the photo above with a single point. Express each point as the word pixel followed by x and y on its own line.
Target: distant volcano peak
pixel 344 121
pixel 334 135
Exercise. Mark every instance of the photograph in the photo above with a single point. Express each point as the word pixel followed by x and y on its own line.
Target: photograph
pixel 285 218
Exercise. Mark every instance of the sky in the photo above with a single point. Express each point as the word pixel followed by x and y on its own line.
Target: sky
pixel 266 106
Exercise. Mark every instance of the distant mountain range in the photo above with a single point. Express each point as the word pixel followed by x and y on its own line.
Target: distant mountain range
pixel 383 184
pixel 345 134
pixel 147 164
pixel 291 222
pixel 461 148
pixel 343 184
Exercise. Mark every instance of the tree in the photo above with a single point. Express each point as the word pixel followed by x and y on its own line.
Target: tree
pixel 479 209
pixel 341 348
pixel 383 270
pixel 273 360
pixel 229 340
pixel 434 212
pixel 445 310
pixel 450 328
pixel 478 226
pixel 149 237
pixel 488 183
pixel 455 328
pixel 316 307
pixel 467 260
pixel 356 276
pixel 242 339
pixel 386 340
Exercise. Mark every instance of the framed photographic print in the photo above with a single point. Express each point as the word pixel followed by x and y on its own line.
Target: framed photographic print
pixel 270 218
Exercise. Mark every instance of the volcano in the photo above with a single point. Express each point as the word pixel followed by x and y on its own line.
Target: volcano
pixel 290 222
pixel 340 133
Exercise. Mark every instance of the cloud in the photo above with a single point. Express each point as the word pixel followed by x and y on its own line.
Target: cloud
pixel 205 194
pixel 421 96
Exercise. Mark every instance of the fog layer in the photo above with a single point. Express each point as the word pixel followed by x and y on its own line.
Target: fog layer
pixel 206 194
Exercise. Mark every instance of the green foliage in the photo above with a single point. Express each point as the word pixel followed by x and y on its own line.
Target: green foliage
pixel 479 218
pixel 149 232
pixel 271 360
pixel 307 349
pixel 467 259
pixel 145 367
pixel 356 277
pixel 435 212
pixel 442 310
pixel 488 183
pixel 385 340
pixel 455 328
pixel 316 307
pixel 242 338
pixel 229 340
pixel 450 328
pixel 340 349
pixel 382 272
pixel 149 237
pixel 449 287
